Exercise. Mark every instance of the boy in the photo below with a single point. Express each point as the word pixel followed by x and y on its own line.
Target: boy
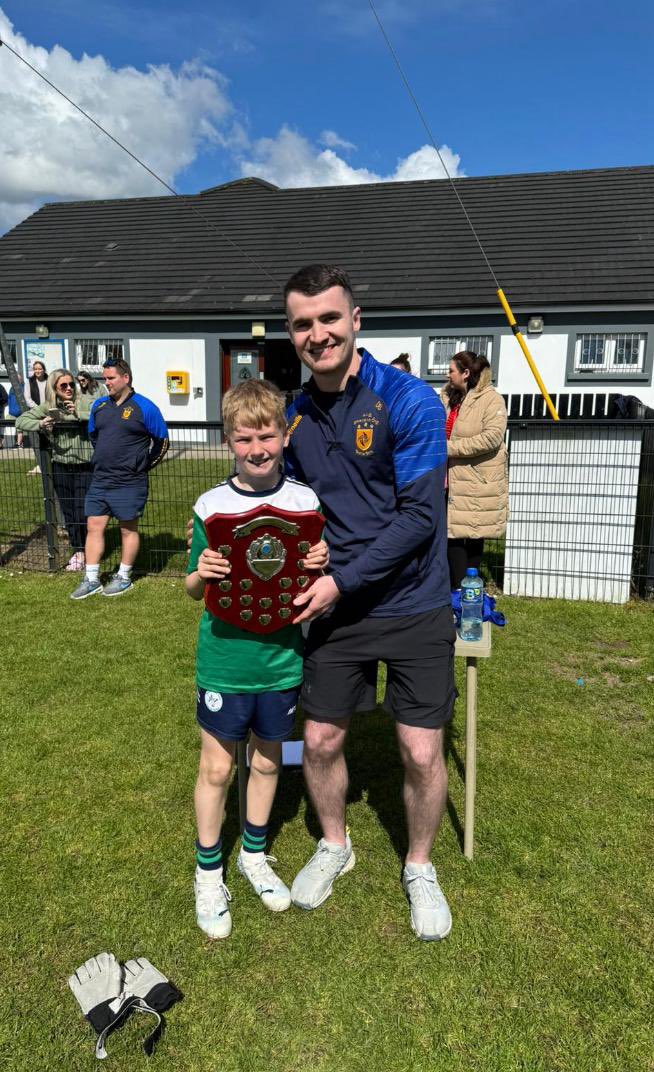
pixel 245 681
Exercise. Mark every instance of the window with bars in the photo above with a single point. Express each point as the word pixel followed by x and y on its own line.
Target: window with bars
pixel 91 353
pixel 442 349
pixel 600 354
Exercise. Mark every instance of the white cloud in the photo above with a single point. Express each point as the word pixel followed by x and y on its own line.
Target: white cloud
pixel 333 141
pixel 291 160
pixel 50 152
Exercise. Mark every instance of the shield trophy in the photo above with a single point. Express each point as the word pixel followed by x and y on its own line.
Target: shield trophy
pixel 265 547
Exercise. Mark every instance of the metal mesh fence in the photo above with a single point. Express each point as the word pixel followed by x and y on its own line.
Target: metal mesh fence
pixel 581 507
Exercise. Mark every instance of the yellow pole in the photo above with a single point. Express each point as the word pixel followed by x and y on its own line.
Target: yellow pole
pixel 525 349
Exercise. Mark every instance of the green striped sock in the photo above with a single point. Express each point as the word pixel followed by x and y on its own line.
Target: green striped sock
pixel 254 837
pixel 209 859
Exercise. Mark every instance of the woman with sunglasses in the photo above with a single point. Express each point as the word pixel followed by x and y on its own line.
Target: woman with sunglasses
pixel 89 386
pixel 71 451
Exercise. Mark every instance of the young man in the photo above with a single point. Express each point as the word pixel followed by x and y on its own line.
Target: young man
pixel 130 437
pixel 370 441
pixel 245 681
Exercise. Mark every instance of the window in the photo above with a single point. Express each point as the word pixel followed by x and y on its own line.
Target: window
pixel 443 347
pixel 617 352
pixel 91 353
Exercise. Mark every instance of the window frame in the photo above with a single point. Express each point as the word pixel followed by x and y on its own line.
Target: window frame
pixel 626 373
pixel 96 370
pixel 431 336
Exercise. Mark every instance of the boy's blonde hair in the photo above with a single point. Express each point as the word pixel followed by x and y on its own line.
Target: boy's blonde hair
pixel 252 404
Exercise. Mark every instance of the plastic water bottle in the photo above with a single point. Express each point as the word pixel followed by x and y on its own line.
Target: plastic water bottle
pixel 472 606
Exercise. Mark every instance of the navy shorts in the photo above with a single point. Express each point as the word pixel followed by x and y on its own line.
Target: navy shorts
pixel 229 715
pixel 125 504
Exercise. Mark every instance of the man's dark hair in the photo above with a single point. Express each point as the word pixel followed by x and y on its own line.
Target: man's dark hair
pixel 120 366
pixel 318 277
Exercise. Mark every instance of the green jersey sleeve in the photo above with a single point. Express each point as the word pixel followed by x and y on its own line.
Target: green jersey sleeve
pixel 198 544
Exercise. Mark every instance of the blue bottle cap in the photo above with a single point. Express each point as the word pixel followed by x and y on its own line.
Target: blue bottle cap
pixel 471 572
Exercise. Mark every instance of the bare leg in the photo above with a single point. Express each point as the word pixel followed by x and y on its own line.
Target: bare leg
pixel 129 538
pixel 425 787
pixel 325 774
pixel 265 761
pixel 214 775
pixel 95 539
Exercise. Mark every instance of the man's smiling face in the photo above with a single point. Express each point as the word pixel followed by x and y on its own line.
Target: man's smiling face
pixel 323 331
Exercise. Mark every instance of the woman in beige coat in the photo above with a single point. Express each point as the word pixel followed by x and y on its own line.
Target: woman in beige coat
pixel 478 487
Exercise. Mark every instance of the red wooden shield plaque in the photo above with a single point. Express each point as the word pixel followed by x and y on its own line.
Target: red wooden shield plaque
pixel 265 547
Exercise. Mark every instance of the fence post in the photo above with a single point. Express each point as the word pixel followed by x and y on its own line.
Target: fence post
pixel 49 504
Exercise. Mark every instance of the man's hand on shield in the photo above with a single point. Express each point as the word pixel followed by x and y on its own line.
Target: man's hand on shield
pixel 317 557
pixel 316 600
pixel 212 566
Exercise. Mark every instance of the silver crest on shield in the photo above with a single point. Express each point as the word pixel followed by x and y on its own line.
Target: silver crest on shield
pixel 266 556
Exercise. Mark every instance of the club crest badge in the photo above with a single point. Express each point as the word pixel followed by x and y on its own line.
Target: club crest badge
pixel 364 433
pixel 364 440
pixel 127 413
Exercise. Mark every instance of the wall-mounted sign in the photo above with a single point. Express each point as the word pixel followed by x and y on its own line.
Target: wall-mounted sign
pixel 245 359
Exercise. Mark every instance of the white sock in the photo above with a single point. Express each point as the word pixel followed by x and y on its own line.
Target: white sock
pixel 124 571
pixel 93 573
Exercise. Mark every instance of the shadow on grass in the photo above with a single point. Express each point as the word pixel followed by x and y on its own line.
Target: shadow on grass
pixel 376 775
pixel 155 552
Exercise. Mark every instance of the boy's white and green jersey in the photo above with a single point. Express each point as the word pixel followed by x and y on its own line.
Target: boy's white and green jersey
pixel 231 659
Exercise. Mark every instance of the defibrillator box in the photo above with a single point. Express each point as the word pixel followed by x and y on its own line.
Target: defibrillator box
pixel 177 383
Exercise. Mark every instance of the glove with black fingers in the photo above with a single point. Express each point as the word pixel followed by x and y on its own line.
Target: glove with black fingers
pixel 97 985
pixel 144 981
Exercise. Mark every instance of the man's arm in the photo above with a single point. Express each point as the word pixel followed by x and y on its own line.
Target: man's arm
pixel 156 428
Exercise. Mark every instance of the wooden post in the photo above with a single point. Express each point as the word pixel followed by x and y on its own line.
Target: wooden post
pixel 471 757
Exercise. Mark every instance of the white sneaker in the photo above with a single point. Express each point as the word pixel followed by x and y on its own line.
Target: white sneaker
pixel 211 907
pixel 430 913
pixel 313 884
pixel 269 886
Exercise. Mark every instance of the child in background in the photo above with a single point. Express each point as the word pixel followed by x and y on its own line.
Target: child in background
pixel 245 681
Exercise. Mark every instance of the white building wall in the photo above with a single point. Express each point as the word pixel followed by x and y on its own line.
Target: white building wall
pixel 151 359
pixel 387 347
pixel 549 353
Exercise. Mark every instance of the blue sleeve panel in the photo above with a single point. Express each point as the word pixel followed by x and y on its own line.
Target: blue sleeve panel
pixel 377 460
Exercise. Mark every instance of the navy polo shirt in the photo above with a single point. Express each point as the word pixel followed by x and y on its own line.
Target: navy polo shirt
pixel 129 438
pixel 376 456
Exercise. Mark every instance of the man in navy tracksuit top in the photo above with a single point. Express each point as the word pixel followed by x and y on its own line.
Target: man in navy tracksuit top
pixel 130 437
pixel 370 441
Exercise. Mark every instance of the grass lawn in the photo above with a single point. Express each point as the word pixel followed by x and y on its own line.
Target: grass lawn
pixel 549 965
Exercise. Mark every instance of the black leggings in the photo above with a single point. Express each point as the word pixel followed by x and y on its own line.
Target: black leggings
pixel 463 554
pixel 71 483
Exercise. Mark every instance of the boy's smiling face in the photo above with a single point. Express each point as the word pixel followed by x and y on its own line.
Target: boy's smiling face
pixel 258 455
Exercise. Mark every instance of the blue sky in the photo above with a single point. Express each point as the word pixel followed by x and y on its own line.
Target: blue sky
pixel 223 89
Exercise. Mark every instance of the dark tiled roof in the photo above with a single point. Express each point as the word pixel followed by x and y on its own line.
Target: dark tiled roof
pixel 565 238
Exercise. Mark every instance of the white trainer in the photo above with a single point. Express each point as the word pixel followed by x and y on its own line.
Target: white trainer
pixel 255 866
pixel 211 903
pixel 430 912
pixel 313 884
